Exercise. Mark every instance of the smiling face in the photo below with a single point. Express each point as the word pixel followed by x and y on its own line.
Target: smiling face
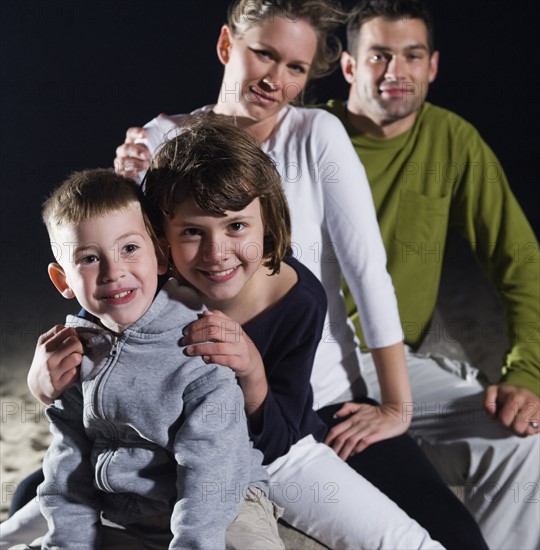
pixel 266 67
pixel 220 256
pixel 390 71
pixel 109 264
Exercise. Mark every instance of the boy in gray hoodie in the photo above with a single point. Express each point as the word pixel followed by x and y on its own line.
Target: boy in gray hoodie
pixel 150 446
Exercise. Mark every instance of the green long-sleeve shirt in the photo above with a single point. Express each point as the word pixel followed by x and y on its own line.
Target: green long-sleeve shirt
pixel 437 176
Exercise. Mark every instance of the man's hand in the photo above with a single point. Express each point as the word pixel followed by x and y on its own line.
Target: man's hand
pixel 514 407
pixel 55 364
pixel 366 424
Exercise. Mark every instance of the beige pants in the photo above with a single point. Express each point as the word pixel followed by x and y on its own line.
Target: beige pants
pixel 254 528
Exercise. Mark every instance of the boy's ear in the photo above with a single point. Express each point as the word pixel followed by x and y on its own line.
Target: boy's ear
pixel 58 278
pixel 162 252
pixel 224 44
pixel 348 66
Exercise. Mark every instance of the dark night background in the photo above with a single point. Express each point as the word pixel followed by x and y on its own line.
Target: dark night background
pixel 75 74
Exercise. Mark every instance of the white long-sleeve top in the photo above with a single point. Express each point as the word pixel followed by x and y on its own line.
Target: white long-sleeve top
pixel 334 230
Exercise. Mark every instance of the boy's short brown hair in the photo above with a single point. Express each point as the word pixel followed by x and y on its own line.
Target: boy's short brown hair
pixel 221 168
pixel 91 193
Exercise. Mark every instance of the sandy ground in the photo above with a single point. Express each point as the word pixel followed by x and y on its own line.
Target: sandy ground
pixel 466 301
pixel 24 432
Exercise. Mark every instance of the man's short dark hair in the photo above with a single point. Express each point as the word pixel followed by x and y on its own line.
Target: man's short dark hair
pixel 393 10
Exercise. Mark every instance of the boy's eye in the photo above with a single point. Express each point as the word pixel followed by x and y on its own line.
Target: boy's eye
pixel 90 259
pixel 130 248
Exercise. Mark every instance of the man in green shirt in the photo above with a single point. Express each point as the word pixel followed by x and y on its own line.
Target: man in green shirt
pixel 430 173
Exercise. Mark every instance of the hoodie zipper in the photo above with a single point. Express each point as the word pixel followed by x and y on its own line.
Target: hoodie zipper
pixel 101 472
pixel 114 348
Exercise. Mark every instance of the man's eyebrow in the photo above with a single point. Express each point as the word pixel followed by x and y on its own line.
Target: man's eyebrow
pixel 381 48
pixel 416 47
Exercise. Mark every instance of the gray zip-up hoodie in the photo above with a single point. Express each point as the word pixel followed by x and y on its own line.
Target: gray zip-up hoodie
pixel 148 431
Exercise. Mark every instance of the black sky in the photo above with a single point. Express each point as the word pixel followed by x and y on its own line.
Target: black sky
pixel 75 74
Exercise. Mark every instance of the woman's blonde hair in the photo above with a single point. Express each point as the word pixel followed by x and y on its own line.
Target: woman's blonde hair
pixel 323 16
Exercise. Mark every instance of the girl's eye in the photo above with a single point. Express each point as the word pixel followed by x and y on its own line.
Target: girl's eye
pixel 192 232
pixel 237 226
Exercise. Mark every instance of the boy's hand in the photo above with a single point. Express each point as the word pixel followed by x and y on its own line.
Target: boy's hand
pixel 132 157
pixel 55 364
pixel 366 424
pixel 219 339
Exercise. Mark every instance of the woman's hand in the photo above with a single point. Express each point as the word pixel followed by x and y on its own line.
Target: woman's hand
pixel 363 425
pixel 55 364
pixel 131 157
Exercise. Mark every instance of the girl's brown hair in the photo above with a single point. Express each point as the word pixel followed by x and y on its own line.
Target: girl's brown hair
pixel 221 168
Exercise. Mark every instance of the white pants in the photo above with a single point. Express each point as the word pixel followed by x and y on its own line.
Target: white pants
pixel 498 470
pixel 325 498
pixel 322 496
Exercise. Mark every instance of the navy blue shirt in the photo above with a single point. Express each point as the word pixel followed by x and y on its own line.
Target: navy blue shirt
pixel 287 336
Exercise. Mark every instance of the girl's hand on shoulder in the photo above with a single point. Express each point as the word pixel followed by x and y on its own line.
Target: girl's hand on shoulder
pixel 218 339
pixel 132 157
pixel 363 425
pixel 55 365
